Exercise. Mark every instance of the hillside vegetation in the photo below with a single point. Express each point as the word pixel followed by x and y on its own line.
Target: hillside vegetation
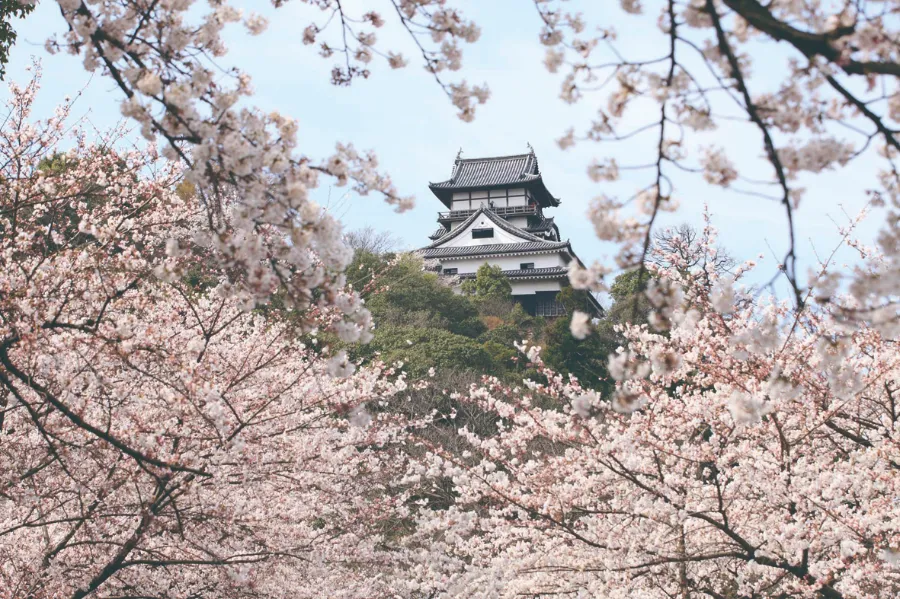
pixel 421 322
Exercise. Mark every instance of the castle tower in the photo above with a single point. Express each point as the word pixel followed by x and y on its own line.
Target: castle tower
pixel 495 214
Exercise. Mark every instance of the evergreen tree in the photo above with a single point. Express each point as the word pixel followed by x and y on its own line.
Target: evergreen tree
pixel 489 282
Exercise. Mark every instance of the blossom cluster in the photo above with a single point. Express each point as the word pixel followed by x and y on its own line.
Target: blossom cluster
pixel 749 451
pixel 834 101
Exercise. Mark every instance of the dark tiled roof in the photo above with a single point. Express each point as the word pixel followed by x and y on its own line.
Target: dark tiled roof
pixel 489 172
pixel 519 273
pixel 546 224
pixel 499 171
pixel 494 248
pixel 500 222
pixel 440 232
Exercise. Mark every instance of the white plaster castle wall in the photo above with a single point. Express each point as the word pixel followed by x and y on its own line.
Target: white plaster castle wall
pixel 516 197
pixel 521 200
pixel 467 265
pixel 532 287
pixel 516 221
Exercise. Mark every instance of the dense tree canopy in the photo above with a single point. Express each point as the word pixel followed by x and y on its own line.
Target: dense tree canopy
pixel 585 358
pixel 417 313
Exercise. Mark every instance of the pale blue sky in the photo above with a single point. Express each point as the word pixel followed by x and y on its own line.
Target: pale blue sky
pixel 404 116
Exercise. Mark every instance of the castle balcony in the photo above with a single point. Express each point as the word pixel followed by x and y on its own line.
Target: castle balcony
pixel 458 215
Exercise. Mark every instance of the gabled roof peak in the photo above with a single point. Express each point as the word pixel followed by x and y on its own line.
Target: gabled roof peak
pixel 494 218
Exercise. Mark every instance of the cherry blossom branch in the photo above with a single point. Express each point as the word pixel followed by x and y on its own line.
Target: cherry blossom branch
pixel 790 259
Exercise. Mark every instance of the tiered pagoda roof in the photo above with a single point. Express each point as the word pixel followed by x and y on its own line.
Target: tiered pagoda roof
pixel 465 238
pixel 469 174
pixel 440 232
pixel 546 225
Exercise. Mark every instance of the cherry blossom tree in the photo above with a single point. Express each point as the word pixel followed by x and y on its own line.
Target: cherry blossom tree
pixel 748 451
pixel 160 56
pixel 164 439
pixel 157 437
pixel 832 103
pixel 838 80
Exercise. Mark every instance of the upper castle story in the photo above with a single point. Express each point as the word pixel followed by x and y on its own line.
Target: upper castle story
pixel 510 186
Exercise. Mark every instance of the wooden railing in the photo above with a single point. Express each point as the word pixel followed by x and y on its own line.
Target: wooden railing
pixel 499 211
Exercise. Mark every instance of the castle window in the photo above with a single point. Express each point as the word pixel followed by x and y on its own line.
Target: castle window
pixel 526 265
pixel 450 271
pixel 482 233
pixel 549 308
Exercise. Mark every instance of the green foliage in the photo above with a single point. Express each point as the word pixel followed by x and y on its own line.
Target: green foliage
pixel 470 327
pixel 505 333
pixel 200 278
pixel 489 283
pixel 448 331
pixel 629 302
pixel 9 9
pixel 499 307
pixel 56 164
pixel 585 358
pixel 503 356
pixel 468 287
pixel 627 284
pixel 186 190
pixel 364 269
pixel 575 299
pixel 421 349
pixel 62 217
pixel 405 290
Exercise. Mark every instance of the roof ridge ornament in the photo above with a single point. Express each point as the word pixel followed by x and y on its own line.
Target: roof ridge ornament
pixel 537 166
pixel 456 164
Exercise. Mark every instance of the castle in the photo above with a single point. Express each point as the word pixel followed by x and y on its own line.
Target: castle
pixel 495 214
